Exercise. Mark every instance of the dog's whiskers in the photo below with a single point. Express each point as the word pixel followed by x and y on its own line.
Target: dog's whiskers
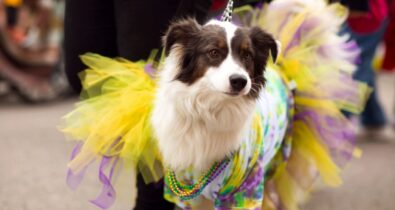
pixel 252 78
pixel 254 89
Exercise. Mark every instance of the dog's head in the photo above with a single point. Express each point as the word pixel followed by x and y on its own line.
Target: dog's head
pixel 220 56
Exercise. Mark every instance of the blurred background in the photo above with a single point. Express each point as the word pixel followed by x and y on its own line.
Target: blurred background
pixel 35 93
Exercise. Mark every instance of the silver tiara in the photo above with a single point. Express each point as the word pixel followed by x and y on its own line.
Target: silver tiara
pixel 227 15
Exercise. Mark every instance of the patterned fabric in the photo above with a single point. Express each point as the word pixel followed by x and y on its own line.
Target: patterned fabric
pixel 241 184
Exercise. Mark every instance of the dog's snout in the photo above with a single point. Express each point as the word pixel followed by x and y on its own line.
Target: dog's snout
pixel 237 82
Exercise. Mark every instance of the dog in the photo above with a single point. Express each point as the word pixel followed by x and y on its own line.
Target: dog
pixel 212 82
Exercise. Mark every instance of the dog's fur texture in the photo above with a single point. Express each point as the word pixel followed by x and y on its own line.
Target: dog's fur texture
pixel 200 113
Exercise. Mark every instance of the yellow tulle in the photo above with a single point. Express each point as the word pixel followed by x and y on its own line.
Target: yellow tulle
pixel 113 120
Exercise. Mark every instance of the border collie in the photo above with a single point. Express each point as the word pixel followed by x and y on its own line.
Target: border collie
pixel 207 90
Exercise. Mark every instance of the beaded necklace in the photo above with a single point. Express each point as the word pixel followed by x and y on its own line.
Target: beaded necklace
pixel 187 192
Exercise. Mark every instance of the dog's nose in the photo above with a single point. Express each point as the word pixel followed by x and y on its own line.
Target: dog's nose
pixel 237 82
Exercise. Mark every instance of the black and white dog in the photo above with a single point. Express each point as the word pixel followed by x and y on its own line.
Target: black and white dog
pixel 207 90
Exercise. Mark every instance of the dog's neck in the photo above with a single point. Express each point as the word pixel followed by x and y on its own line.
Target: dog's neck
pixel 194 126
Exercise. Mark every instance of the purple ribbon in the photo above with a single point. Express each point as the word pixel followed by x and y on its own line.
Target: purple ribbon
pixel 74 180
pixel 107 196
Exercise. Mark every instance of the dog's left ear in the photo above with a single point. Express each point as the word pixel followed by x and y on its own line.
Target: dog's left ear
pixel 264 43
pixel 180 32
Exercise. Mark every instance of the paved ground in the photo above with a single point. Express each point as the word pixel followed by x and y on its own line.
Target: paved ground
pixel 33 157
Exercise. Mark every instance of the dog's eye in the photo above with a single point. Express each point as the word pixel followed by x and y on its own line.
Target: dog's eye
pixel 214 54
pixel 246 57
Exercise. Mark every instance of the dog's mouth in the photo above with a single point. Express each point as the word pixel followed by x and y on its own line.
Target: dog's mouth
pixel 233 94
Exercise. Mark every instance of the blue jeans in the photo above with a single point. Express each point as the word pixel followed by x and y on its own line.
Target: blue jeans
pixel 373 115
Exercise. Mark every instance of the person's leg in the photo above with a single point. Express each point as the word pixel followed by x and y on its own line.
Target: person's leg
pixel 150 197
pixel 373 115
pixel 141 24
pixel 89 27
pixel 197 9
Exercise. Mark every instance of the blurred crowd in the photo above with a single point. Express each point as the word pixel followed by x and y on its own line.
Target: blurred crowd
pixel 31 37
pixel 30 49
pixel 371 23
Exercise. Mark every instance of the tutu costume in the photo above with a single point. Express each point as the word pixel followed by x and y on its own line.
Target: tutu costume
pixel 298 133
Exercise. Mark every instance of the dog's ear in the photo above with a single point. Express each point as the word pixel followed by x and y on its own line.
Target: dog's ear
pixel 264 43
pixel 180 32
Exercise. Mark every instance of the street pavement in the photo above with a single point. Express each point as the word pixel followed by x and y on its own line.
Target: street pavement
pixel 34 154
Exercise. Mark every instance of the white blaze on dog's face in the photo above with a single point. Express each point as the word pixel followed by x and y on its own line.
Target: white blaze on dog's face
pixel 230 77
pixel 220 57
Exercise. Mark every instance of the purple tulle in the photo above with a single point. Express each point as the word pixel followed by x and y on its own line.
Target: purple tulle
pixel 150 70
pixel 74 180
pixel 337 134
